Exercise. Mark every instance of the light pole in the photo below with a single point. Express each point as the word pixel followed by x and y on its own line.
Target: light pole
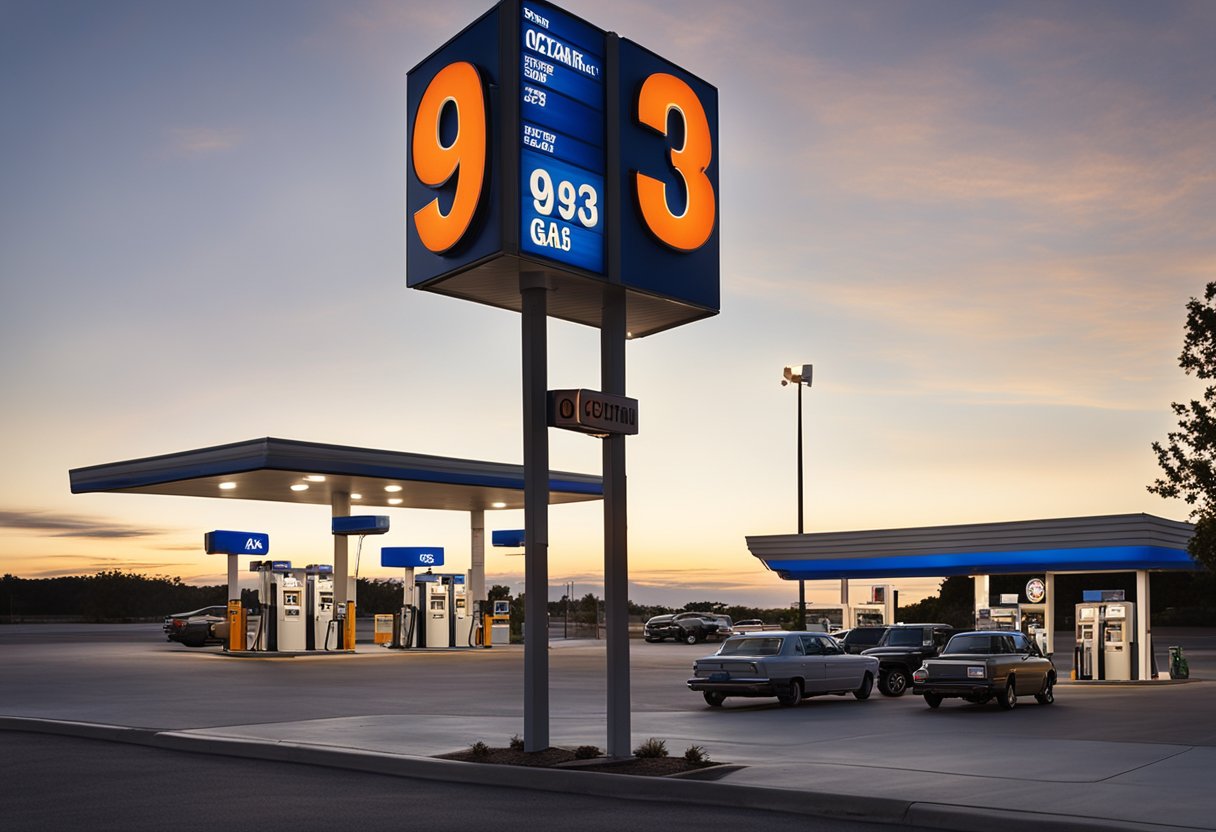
pixel 799 375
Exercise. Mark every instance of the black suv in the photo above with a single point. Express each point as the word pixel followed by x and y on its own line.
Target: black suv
pixel 903 649
pixel 862 638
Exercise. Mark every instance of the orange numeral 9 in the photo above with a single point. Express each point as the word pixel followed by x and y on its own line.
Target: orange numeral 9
pixel 662 93
pixel 465 158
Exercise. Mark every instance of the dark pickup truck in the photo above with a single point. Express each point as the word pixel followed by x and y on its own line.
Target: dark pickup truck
pixel 903 649
pixel 689 627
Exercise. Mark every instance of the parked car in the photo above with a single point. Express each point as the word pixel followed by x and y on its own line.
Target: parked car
pixel 860 638
pixel 789 666
pixel 198 627
pixel 981 665
pixel 689 627
pixel 754 625
pixel 902 649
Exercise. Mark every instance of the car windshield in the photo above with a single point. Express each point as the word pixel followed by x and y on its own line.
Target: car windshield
pixel 973 644
pixel 906 637
pixel 751 647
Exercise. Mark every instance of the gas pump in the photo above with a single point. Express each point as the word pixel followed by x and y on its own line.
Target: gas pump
pixel 999 617
pixel 1118 642
pixel 498 625
pixel 1088 658
pixel 435 629
pixel 283 623
pixel 320 604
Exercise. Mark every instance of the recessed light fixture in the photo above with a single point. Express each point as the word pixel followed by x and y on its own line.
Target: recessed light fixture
pixel 300 486
pixel 392 489
pixel 356 496
pixel 315 478
pixel 395 501
pixel 498 505
pixel 227 486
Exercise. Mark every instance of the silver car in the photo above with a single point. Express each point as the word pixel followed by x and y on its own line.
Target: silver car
pixel 789 666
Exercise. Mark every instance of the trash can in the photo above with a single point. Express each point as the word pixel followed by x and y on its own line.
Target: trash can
pixel 384 629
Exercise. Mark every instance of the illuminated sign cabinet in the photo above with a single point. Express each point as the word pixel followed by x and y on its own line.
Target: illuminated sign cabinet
pixel 539 144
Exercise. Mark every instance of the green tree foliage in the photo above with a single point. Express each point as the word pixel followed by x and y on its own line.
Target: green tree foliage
pixel 1188 456
pixel 106 596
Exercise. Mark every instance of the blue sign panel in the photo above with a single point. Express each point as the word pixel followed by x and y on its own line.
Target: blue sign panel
pixel 411 557
pixel 236 543
pixel 477 213
pixel 652 259
pixel 512 538
pixel 562 160
pixel 360 524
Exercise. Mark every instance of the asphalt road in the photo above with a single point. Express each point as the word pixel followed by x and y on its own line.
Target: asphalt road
pixel 66 783
pixel 129 675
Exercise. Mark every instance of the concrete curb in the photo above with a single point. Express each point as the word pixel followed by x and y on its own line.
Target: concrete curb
pixel 884 810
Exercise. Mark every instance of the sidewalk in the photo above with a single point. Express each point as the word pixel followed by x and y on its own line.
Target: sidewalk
pixel 959 784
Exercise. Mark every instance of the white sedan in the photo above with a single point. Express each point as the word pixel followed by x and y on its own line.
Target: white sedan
pixel 790 666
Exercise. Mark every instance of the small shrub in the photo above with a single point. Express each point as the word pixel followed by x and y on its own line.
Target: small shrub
pixel 651 749
pixel 696 755
pixel 516 744
pixel 586 752
pixel 480 749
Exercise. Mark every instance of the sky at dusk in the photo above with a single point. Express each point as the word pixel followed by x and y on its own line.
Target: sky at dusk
pixel 981 222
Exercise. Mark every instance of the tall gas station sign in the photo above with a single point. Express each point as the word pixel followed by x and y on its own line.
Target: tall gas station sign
pixel 560 170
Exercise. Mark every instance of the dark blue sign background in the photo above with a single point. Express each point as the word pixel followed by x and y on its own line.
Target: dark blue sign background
pixel 411 557
pixel 236 543
pixel 561 93
pixel 479 45
pixel 646 263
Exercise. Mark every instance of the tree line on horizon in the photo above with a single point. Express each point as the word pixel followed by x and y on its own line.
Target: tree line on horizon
pixel 1179 599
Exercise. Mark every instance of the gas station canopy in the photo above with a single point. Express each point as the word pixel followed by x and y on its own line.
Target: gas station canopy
pixel 1109 543
pixel 289 471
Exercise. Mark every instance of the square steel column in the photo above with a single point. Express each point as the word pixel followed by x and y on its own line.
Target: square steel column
pixel 1049 610
pixel 1144 629
pixel 534 292
pixel 616 534
pixel 339 502
pixel 477 558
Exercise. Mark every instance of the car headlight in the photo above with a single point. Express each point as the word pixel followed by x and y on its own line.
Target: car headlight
pixel 977 672
pixel 920 675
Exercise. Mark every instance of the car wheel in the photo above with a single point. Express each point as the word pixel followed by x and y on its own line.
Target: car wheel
pixel 1048 694
pixel 792 695
pixel 714 698
pixel 1009 696
pixel 933 700
pixel 867 685
pixel 894 682
pixel 691 638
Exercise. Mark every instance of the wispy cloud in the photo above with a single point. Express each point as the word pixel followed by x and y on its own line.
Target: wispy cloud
pixel 71 525
pixel 199 141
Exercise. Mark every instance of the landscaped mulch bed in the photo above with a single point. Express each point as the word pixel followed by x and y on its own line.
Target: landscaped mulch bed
pixel 565 758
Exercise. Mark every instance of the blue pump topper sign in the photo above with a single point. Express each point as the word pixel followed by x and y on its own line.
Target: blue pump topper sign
pixel 221 542
pixel 411 557
pixel 542 144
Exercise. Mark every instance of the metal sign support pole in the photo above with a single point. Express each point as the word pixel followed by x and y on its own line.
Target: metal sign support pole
pixel 616 542
pixel 534 293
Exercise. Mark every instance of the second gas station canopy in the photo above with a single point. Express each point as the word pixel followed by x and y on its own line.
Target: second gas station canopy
pixel 290 471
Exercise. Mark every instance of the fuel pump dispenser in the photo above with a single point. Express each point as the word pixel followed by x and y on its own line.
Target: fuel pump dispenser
pixel 498 626
pixel 1118 642
pixel 320 605
pixel 283 626
pixel 1088 658
pixel 435 629
pixel 410 627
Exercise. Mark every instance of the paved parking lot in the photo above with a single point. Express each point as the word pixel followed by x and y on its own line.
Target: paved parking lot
pixel 1132 753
